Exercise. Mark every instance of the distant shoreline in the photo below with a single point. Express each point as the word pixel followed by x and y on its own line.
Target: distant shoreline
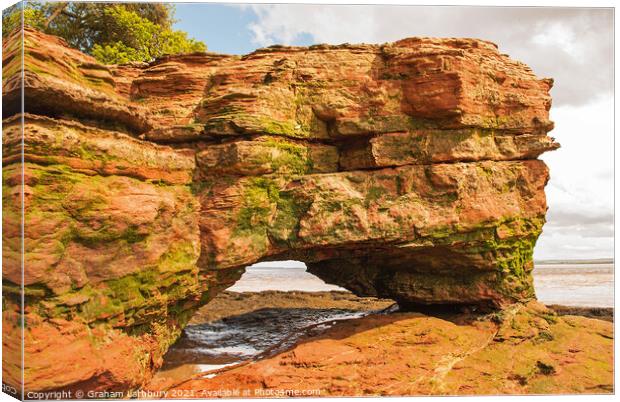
pixel 575 262
pixel 299 265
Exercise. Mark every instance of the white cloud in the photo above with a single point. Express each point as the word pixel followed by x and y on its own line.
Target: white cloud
pixel 282 24
pixel 574 46
pixel 580 192
pixel 560 36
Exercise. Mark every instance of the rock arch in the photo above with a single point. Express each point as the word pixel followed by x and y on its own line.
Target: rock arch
pixel 406 170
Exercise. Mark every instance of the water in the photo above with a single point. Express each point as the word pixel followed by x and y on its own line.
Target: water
pixel 579 285
pixel 211 346
pixel 242 337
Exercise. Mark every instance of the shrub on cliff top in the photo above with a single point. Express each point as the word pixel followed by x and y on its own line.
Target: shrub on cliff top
pixel 112 33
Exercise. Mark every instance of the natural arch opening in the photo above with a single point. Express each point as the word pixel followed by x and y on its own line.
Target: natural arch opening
pixel 272 306
pixel 288 275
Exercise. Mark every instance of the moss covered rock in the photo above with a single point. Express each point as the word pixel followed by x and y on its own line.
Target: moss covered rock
pixel 406 170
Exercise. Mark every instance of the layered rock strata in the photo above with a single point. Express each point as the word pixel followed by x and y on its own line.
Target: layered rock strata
pixel 405 170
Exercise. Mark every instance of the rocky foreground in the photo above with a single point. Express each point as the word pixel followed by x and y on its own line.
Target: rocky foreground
pixel 526 349
pixel 406 171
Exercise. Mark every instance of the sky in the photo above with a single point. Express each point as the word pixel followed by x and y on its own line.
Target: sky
pixel 572 45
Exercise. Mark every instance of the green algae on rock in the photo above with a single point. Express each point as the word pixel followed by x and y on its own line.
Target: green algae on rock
pixel 405 171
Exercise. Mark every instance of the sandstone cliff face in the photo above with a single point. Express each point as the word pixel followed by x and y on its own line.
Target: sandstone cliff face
pixel 405 170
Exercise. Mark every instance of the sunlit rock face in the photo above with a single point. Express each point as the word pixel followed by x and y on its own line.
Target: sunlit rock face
pixel 407 170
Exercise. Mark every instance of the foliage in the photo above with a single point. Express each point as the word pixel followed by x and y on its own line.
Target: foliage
pixel 12 18
pixel 112 33
pixel 138 38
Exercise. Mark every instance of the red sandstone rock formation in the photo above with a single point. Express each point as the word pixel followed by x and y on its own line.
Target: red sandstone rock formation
pixel 525 350
pixel 406 170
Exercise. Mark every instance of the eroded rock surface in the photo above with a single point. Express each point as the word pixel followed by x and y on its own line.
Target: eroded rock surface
pixel 404 171
pixel 525 349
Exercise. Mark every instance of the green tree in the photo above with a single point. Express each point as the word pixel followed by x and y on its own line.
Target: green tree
pixel 111 32
pixel 12 18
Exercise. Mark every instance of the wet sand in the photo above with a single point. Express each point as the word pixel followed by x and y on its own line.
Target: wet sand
pixel 600 313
